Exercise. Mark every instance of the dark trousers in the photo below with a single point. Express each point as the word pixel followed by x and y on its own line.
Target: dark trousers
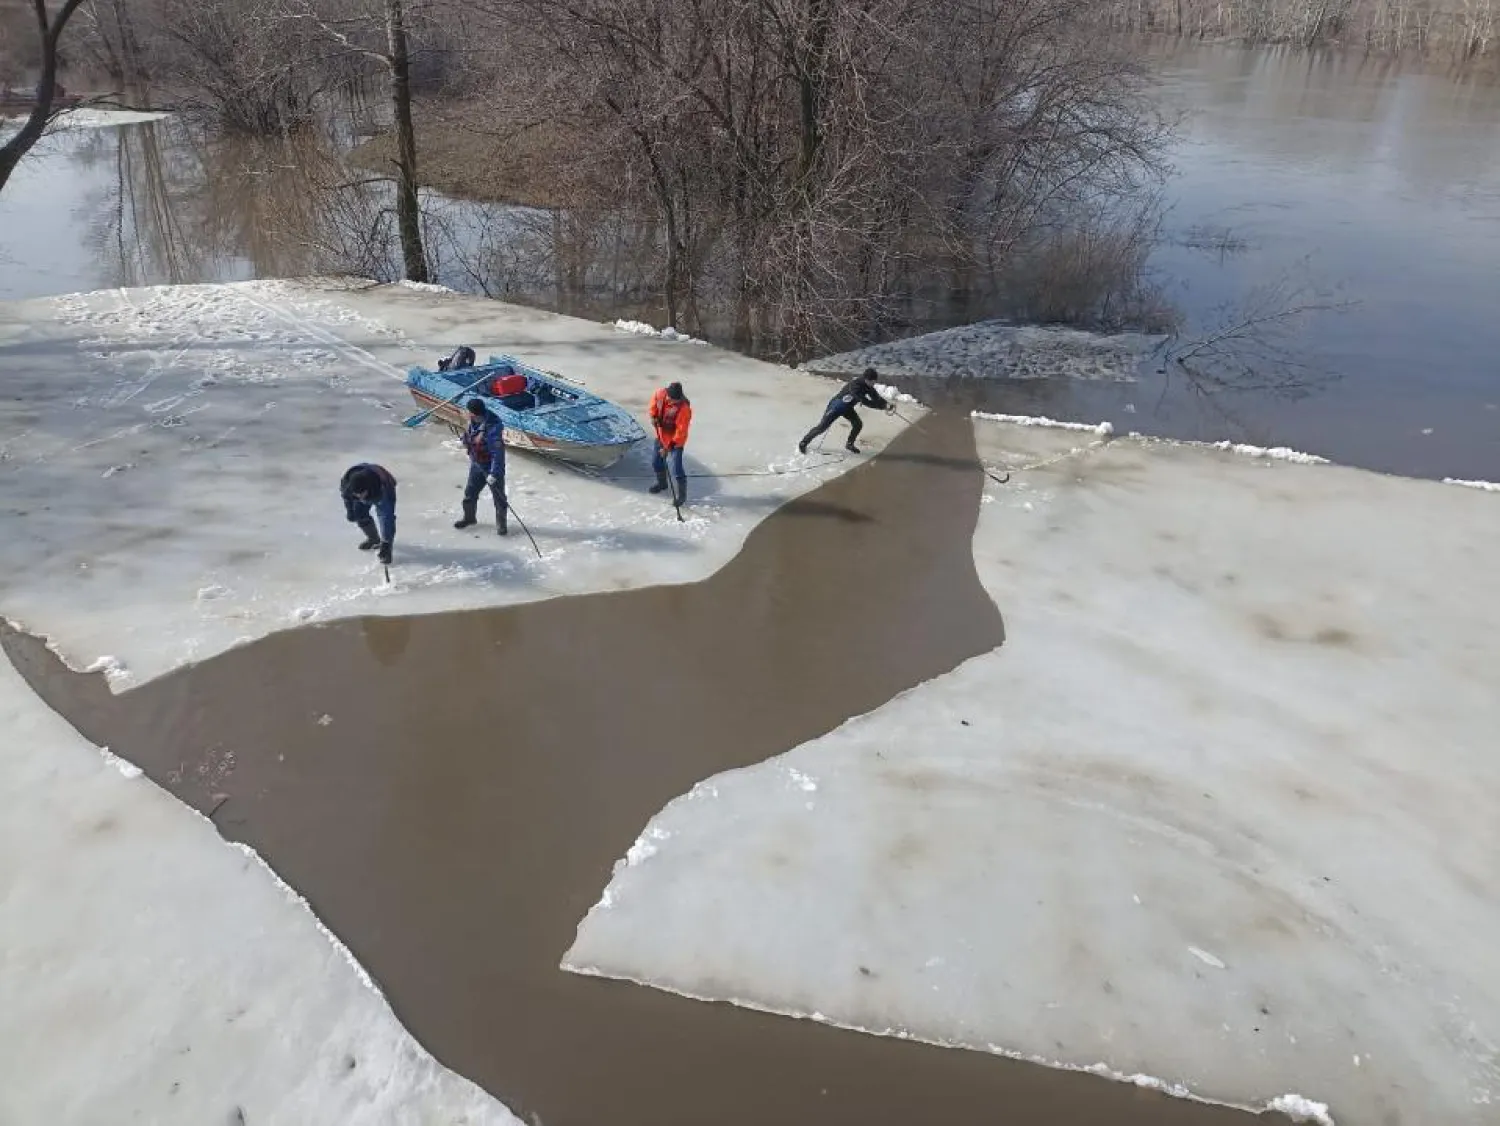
pixel 358 512
pixel 835 412
pixel 475 485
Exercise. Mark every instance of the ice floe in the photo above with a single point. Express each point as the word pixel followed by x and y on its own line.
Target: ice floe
pixel 1212 814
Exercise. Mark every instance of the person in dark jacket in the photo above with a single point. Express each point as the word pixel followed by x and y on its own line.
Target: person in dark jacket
pixel 859 391
pixel 365 487
pixel 484 439
pixel 460 358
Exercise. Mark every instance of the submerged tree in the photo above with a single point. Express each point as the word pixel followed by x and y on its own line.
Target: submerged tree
pixel 805 159
pixel 351 30
pixel 49 32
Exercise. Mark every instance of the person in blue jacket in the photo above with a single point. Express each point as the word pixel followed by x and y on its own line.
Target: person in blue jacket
pixel 484 439
pixel 366 487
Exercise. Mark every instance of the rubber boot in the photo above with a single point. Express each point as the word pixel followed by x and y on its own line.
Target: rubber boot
pixel 851 447
pixel 385 551
pixel 469 519
pixel 502 525
pixel 661 482
pixel 372 537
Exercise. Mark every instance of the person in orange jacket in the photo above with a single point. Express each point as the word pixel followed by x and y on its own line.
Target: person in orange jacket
pixel 671 416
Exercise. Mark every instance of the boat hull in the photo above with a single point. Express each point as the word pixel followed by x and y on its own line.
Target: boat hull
pixel 552 417
pixel 590 455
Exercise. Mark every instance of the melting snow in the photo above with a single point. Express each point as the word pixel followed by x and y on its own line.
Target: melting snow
pixel 1485 486
pixel 802 781
pixel 1275 453
pixel 128 769
pixel 645 847
pixel 1299 1109
pixel 94 117
pixel 1100 428
pixel 641 328
pixel 114 672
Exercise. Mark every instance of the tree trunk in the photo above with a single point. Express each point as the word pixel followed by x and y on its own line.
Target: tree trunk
pixel 408 207
pixel 46 89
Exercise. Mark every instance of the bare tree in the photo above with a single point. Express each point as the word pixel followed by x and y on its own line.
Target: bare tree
pixel 394 57
pixel 1254 344
pixel 1463 29
pixel 49 31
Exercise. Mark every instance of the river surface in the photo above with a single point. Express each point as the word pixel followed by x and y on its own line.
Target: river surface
pixel 1372 182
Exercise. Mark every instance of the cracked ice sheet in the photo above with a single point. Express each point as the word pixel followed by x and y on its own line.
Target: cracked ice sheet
pixel 170 460
pixel 1220 811
pixel 154 973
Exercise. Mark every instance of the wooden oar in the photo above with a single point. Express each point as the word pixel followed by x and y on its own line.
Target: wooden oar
pixel 422 416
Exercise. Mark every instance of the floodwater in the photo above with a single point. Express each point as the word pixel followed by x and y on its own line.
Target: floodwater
pixel 1367 180
pixel 483 771
pixel 1376 181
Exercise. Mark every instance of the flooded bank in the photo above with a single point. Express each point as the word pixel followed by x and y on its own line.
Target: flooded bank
pixel 450 792
pixel 1361 178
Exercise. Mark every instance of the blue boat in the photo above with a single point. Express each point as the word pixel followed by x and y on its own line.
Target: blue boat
pixel 542 412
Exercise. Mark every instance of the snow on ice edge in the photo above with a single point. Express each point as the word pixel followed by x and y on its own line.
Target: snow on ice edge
pixel 1105 429
pixel 1483 486
pixel 1296 1107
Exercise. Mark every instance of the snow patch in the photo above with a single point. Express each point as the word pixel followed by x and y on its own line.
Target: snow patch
pixel 1275 453
pixel 94 117
pixel 645 846
pixel 128 769
pixel 1300 1109
pixel 1106 429
pixel 1484 486
pixel 1102 428
pixel 801 780
pixel 424 287
pixel 114 672
pixel 641 328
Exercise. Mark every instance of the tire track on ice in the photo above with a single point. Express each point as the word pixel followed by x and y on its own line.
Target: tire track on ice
pixel 328 338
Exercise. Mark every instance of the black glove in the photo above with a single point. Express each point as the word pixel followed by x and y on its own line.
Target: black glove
pixel 385 552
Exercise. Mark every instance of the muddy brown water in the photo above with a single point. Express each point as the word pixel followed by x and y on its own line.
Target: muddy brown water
pixel 482 772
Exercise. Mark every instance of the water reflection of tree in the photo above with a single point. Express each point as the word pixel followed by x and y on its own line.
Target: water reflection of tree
pixel 1257 345
pixel 187 205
